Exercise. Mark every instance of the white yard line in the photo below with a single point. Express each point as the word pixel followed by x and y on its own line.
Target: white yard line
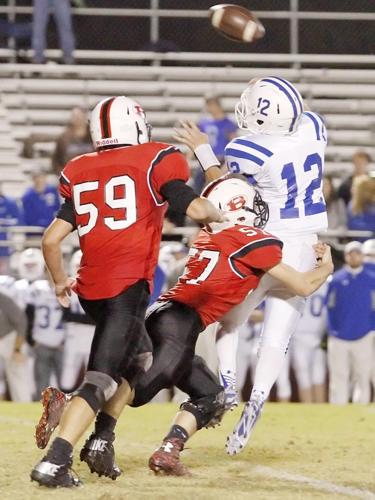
pixel 317 484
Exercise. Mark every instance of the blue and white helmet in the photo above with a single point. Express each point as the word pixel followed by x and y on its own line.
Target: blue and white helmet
pixel 271 106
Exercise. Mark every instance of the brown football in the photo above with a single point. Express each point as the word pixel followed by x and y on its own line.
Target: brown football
pixel 236 22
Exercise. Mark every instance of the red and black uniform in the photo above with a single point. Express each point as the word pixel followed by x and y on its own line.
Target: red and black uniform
pixel 116 198
pixel 221 270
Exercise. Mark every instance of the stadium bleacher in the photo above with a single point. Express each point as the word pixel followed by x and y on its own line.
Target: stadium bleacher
pixel 41 104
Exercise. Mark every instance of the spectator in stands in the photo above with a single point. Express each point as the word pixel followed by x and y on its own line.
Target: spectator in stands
pixel 369 254
pixel 361 161
pixel 63 18
pixel 10 215
pixel 336 209
pixel 361 209
pixel 220 130
pixel 350 343
pixel 74 141
pixel 40 202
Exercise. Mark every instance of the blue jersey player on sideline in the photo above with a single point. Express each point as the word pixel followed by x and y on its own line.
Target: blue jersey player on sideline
pixel 282 153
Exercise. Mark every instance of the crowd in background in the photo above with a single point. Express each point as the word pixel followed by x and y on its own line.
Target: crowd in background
pixel 331 356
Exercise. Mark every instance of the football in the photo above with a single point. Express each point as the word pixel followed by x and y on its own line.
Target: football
pixel 236 23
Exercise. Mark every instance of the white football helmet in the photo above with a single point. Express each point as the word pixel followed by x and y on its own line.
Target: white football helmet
pixel 271 106
pixel 31 264
pixel 75 263
pixel 118 121
pixel 368 249
pixel 241 202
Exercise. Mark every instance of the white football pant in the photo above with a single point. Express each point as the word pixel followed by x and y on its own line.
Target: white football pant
pixel 350 363
pixel 76 352
pixel 18 375
pixel 281 314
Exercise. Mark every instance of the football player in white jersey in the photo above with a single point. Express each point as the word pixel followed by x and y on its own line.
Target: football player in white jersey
pixel 79 334
pixel 282 153
pixel 20 374
pixel 47 329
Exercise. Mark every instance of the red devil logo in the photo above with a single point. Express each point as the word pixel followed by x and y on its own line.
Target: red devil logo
pixel 236 203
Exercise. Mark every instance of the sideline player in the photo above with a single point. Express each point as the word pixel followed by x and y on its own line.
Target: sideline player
pixel 226 261
pixel 116 198
pixel 283 155
pixel 309 360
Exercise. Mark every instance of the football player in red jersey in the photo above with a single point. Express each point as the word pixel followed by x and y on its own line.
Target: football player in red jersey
pixel 116 199
pixel 227 260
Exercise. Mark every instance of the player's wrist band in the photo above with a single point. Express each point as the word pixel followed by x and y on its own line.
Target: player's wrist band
pixel 206 156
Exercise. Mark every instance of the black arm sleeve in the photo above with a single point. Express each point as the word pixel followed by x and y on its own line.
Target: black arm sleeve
pixel 178 195
pixel 66 213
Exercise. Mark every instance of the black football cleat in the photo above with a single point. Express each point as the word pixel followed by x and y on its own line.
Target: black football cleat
pixel 99 454
pixel 54 476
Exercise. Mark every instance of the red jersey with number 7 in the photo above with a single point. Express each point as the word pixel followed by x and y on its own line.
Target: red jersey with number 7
pixel 119 210
pixel 223 268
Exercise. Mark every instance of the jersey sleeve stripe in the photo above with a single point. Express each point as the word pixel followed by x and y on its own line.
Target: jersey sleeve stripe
pixel 248 248
pixel 290 98
pixel 158 158
pixel 323 129
pixel 238 153
pixel 292 89
pixel 315 122
pixel 252 145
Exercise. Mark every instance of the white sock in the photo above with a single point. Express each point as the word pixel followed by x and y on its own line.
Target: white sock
pixel 226 347
pixel 268 368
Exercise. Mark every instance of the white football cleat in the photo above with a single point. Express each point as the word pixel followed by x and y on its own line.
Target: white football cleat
pixel 228 381
pixel 240 436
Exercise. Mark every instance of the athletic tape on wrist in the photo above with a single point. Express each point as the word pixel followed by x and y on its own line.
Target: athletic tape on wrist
pixel 206 156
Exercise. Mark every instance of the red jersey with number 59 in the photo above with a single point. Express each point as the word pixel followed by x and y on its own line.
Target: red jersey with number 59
pixel 119 212
pixel 222 268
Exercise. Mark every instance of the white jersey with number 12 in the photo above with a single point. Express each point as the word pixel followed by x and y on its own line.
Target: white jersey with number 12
pixel 287 170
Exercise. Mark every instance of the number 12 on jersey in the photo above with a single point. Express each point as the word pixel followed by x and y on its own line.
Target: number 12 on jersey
pixel 288 173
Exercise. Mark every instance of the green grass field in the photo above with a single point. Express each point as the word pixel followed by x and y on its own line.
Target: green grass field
pixel 297 452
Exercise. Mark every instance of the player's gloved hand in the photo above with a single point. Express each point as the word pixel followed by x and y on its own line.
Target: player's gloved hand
pixel 63 291
pixel 190 135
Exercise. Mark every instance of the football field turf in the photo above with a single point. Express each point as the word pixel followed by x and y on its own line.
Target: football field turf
pixel 296 452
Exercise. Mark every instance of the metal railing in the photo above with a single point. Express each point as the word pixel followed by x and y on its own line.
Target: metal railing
pixel 156 13
pixel 20 237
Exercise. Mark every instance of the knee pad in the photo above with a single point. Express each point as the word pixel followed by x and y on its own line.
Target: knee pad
pixel 96 389
pixel 208 411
